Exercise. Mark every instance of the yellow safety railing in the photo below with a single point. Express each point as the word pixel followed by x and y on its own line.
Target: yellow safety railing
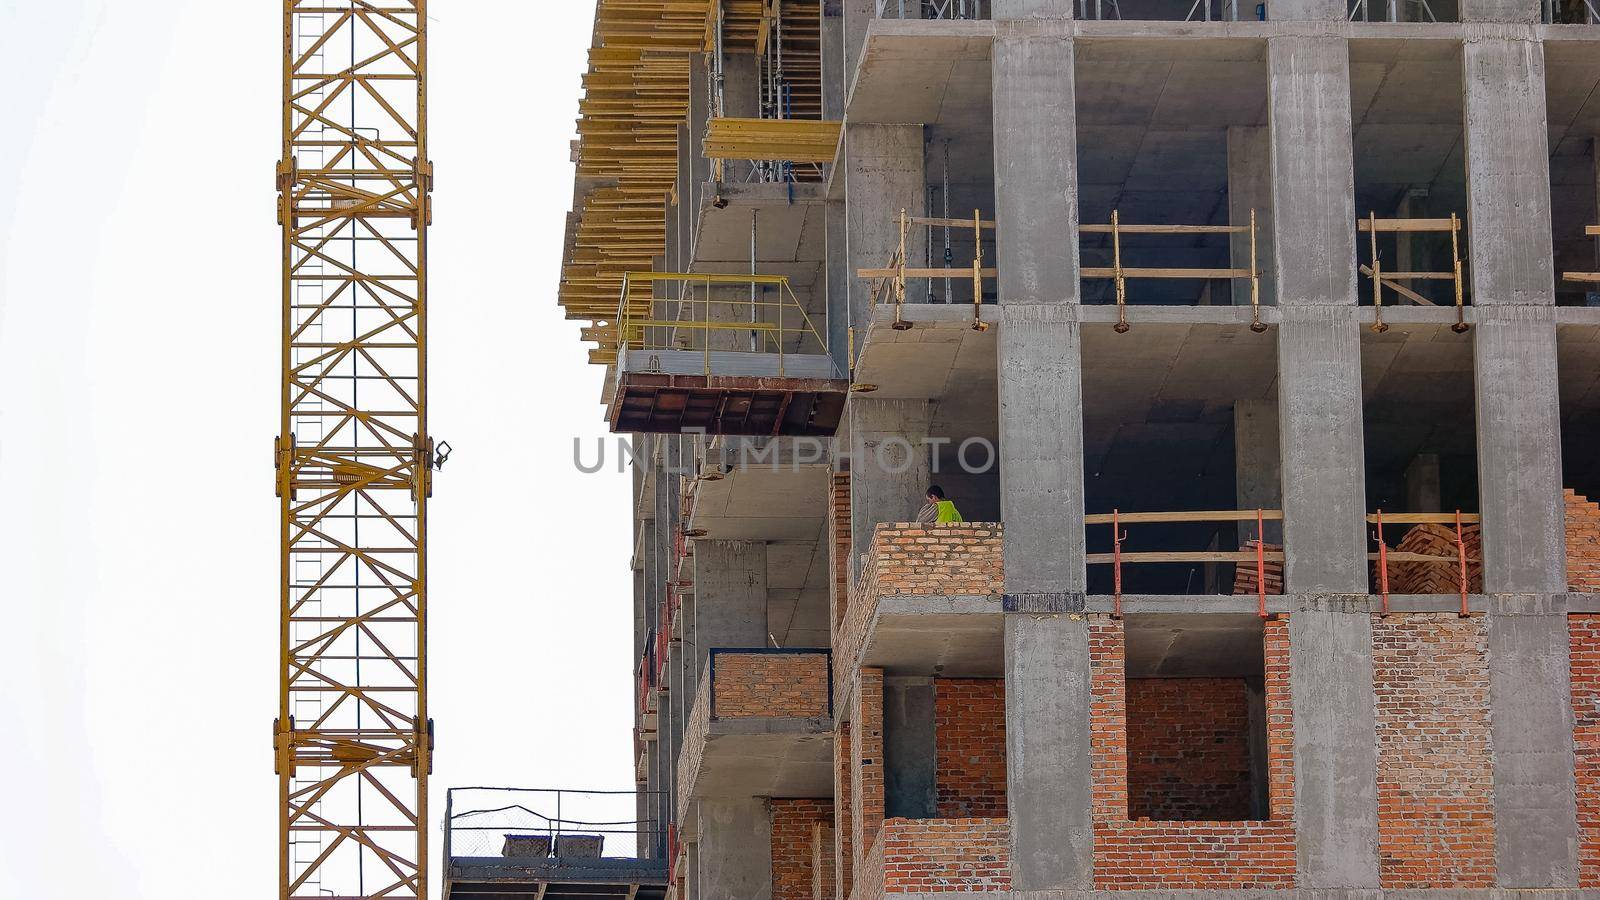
pixel 709 305
pixel 1373 226
pixel 893 276
pixel 1587 277
pixel 1120 274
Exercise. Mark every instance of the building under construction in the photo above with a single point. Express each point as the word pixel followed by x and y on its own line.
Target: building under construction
pixel 1257 345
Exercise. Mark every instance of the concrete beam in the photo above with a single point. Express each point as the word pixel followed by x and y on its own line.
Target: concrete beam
pixel 1335 758
pixel 1313 169
pixel 855 15
pixel 1048 782
pixel 1322 451
pixel 1508 172
pixel 889 466
pixel 1536 830
pixel 832 38
pixel 1035 163
pixel 884 174
pixel 735 858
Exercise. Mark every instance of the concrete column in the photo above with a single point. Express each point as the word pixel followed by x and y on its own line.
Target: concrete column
pixel 1335 761
pixel 856 16
pixel 1322 456
pixel 1519 12
pixel 1250 188
pixel 1508 172
pixel 1423 491
pixel 1313 174
pixel 1031 9
pixel 838 284
pixel 735 844
pixel 1035 163
pixel 1041 451
pixel 1258 463
pixel 1048 784
pixel 730 597
pixel 889 466
pixel 1304 10
pixel 832 36
pixel 909 788
pixel 885 174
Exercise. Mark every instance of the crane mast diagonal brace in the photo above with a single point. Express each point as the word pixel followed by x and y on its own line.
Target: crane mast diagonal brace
pixel 352 740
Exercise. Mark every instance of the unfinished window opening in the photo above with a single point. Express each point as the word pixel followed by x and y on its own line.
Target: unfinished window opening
pixel 1420 431
pixel 1572 97
pixel 1180 453
pixel 1173 157
pixel 1196 718
pixel 1410 174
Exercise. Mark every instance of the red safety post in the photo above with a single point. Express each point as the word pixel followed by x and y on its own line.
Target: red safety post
pixel 1461 563
pixel 1383 565
pixel 1116 564
pixel 1261 566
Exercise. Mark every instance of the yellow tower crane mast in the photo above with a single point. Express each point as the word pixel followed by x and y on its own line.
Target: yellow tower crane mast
pixel 352 740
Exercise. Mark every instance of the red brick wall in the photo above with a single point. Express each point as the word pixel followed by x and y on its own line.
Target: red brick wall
pixel 1584 635
pixel 1435 768
pixel 793 856
pixel 961 559
pixel 1188 749
pixel 839 542
pixel 945 855
pixel 783 685
pixel 1152 855
pixel 822 861
pixel 843 811
pixel 969 721
pixel 1583 543
pixel 866 763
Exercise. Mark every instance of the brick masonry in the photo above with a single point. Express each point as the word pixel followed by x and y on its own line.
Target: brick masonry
pixel 970 747
pixel 1188 749
pixel 866 764
pixel 778 685
pixel 1435 765
pixel 843 811
pixel 1584 635
pixel 1583 543
pixel 1245 576
pixel 927 560
pixel 930 856
pixel 839 542
pixel 1160 855
pixel 823 861
pixel 794 855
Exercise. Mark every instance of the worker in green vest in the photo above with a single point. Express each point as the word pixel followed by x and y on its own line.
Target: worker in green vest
pixel 938 510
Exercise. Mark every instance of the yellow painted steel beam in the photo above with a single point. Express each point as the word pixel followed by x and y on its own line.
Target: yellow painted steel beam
pixel 352 740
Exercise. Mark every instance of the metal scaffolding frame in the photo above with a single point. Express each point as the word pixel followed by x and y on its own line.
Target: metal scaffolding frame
pixel 352 739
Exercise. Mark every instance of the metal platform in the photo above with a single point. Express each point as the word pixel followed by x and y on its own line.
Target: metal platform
pixel 500 878
pixel 665 391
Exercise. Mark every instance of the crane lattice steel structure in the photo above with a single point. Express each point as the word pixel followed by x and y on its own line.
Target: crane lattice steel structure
pixel 354 460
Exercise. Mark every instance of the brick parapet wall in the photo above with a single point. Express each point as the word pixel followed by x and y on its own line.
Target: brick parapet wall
pixel 1584 637
pixel 917 560
pixel 839 549
pixel 1436 824
pixel 970 747
pixel 772 685
pixel 1159 855
pixel 937 856
pixel 794 857
pixel 695 732
pixel 1583 543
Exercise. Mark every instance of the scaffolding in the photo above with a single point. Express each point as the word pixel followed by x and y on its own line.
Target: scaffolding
pixel 352 739
pixel 1120 274
pixel 1373 269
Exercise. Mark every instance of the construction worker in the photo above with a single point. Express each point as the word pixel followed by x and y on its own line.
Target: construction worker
pixel 938 510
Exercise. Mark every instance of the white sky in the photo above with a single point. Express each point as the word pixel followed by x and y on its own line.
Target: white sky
pixel 139 292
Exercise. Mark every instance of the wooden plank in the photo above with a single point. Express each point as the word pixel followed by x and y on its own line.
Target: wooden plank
pixel 1395 556
pixel 1137 272
pixel 951 223
pixel 1202 515
pixel 1203 556
pixel 924 273
pixel 1166 229
pixel 1425 518
pixel 1409 225
pixel 1592 230
pixel 1400 289
pixel 1591 277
